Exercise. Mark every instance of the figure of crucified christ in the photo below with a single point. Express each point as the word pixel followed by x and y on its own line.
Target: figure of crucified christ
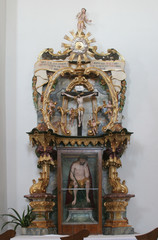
pixel 80 107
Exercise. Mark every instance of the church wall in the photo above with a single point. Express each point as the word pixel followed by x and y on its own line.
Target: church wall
pixel 3 185
pixel 11 105
pixel 128 26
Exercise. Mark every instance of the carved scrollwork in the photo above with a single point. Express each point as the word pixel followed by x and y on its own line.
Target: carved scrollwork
pixel 49 89
pixel 117 186
pixel 80 80
pixel 40 186
pixel 48 54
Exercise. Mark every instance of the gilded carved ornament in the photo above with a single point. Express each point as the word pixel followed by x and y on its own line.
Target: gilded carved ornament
pixel 80 80
pixel 40 186
pixel 115 206
pixel 47 92
pixel 59 55
pixel 45 138
pixel 112 91
pixel 42 205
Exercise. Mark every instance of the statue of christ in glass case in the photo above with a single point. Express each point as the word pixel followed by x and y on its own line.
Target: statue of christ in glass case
pixel 80 178
pixel 80 187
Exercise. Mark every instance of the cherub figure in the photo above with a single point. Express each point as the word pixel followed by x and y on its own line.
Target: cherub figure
pixel 108 108
pixel 51 107
pixel 72 115
pixel 93 125
pixel 82 19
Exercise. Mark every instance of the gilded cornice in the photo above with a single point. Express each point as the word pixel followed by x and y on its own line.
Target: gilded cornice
pixel 44 138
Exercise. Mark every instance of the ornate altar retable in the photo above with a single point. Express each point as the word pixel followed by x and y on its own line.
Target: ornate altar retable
pixel 79 95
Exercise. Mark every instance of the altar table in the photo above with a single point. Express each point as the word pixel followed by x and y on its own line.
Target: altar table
pixel 91 237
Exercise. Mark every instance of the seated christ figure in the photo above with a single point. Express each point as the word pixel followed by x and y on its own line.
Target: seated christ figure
pixel 79 177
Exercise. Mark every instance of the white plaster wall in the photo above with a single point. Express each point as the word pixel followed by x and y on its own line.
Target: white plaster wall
pixel 11 90
pixel 3 179
pixel 128 26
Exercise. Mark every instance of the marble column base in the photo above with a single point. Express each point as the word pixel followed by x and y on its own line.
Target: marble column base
pixel 118 230
pixel 39 231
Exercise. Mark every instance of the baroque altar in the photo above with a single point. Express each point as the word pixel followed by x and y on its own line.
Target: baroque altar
pixel 79 95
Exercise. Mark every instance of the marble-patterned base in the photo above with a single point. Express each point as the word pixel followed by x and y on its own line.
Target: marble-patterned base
pixel 80 216
pixel 38 231
pixel 118 230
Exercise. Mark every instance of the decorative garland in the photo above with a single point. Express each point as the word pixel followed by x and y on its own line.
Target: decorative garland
pixel 122 95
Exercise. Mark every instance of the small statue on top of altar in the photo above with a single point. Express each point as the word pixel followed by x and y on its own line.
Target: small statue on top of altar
pixel 82 19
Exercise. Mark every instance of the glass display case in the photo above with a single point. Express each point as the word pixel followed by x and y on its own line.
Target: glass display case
pixel 79 189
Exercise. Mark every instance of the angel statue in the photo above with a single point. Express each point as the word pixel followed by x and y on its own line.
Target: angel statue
pixel 82 19
pixel 93 125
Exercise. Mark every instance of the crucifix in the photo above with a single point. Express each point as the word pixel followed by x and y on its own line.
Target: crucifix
pixel 79 96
